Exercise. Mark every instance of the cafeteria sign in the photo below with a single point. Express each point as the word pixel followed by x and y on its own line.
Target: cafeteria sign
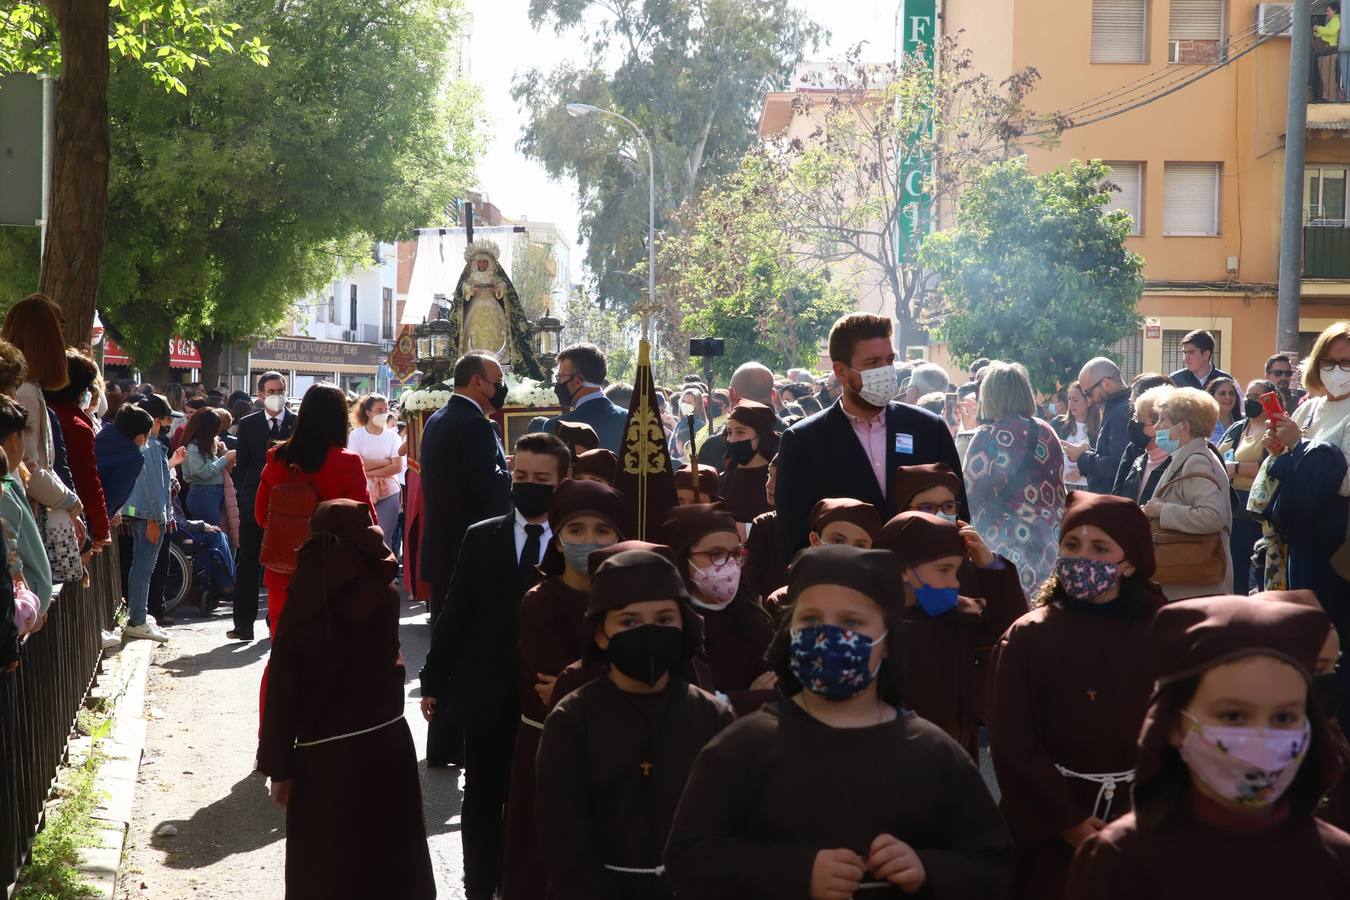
pixel 918 23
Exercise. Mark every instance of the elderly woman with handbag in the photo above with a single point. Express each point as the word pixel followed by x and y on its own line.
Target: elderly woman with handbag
pixel 1190 514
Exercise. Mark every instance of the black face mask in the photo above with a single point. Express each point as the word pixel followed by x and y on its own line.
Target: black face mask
pixel 1327 689
pixel 1137 435
pixel 499 391
pixel 1253 408
pixel 647 652
pixel 740 452
pixel 531 499
pixel 565 393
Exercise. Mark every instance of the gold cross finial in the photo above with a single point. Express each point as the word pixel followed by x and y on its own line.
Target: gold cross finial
pixel 646 307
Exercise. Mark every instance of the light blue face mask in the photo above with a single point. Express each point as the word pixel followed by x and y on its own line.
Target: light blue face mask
pixel 950 517
pixel 1163 438
pixel 578 555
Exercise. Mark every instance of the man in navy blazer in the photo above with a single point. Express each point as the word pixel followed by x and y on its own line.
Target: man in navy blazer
pixel 850 448
pixel 464 475
pixel 580 386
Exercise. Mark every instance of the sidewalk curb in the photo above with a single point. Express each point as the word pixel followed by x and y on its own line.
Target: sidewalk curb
pixel 121 675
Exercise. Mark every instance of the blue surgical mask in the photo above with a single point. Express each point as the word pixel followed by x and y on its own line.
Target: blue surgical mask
pixel 935 601
pixel 578 555
pixel 950 517
pixel 831 661
pixel 1163 438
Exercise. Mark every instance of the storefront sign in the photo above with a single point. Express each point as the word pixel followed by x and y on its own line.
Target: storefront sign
pixel 183 354
pixel 317 354
pixel 918 36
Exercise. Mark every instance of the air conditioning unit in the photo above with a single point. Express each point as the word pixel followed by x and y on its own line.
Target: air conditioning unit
pixel 1275 19
pixel 1174 51
pixel 349 337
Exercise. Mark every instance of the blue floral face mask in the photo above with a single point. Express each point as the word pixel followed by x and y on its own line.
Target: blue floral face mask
pixel 833 662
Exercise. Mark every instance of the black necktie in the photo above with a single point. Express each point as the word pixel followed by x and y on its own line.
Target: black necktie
pixel 276 429
pixel 529 556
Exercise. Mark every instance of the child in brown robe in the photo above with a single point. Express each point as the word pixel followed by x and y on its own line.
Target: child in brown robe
pixel 943 629
pixel 765 569
pixel 751 442
pixel 1070 693
pixel 1233 757
pixel 596 465
pixel 688 492
pixel 584 517
pixel 836 789
pixel 333 738
pixel 833 521
pixel 615 754
pixel 737 630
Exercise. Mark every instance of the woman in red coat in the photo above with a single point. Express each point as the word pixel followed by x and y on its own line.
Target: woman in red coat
pixel 78 434
pixel 317 452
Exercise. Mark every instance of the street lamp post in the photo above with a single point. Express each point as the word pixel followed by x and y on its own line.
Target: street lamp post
pixel 578 110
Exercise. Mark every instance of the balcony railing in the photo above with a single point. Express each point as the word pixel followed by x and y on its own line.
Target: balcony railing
pixel 1326 252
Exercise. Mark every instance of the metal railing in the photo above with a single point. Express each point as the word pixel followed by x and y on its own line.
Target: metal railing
pixel 38 703
pixel 1326 252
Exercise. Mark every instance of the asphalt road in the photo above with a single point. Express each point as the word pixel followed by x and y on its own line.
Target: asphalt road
pixel 202 706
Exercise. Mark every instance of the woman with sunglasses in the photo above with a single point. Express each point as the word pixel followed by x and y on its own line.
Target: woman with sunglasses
pixel 1318 530
pixel 709 554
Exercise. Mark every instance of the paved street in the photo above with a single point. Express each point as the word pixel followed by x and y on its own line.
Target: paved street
pixel 201 703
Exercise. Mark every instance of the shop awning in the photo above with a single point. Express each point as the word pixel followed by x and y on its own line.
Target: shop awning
pixel 183 354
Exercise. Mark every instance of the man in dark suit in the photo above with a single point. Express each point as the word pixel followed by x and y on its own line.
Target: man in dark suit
pixel 257 433
pixel 464 474
pixel 851 448
pixel 1106 389
pixel 580 386
pixel 471 671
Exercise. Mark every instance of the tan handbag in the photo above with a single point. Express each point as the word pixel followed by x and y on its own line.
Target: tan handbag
pixel 1186 558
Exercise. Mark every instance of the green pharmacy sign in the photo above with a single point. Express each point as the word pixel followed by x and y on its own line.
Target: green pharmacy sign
pixel 918 36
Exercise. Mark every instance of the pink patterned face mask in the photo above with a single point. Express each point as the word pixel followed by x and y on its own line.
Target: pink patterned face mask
pixel 1250 766
pixel 717 584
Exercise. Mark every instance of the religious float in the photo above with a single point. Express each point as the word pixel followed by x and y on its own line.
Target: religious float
pixel 484 313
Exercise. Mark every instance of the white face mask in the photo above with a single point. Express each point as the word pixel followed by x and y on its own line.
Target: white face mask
pixel 274 403
pixel 878 385
pixel 1337 382
pixel 377 424
pixel 86 399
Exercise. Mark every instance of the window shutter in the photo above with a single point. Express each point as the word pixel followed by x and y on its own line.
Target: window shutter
pixel 1119 31
pixel 1129 178
pixel 1196 20
pixel 1191 198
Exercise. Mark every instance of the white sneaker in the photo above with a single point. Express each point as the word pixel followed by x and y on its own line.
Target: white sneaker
pixel 146 632
pixel 111 639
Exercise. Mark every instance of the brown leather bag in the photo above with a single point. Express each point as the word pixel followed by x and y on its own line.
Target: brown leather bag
pixel 1186 558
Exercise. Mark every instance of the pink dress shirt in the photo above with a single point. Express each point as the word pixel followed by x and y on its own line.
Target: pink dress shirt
pixel 871 434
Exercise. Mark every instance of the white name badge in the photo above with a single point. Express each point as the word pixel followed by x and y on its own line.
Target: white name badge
pixel 904 443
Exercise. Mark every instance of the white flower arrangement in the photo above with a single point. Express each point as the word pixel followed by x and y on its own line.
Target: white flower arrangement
pixel 529 393
pixel 424 401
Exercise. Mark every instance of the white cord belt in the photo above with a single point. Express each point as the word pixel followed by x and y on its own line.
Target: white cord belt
pixel 1107 793
pixel 350 734
pixel 532 723
pixel 625 870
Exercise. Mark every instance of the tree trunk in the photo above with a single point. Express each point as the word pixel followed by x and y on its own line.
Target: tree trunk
pixel 158 372
pixel 210 347
pixel 77 213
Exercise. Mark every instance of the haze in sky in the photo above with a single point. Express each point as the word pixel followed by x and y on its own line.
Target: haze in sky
pixel 503 44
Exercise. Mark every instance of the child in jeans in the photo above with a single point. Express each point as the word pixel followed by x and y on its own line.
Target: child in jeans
pixel 149 509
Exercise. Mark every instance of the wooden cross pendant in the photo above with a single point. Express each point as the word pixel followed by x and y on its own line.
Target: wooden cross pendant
pixel 646 769
pixel 1092 696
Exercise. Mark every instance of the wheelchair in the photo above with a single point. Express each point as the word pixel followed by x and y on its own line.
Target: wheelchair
pixel 190 576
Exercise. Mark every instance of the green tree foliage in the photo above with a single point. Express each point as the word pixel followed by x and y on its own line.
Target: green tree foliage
pixel 533 271
pixel 729 266
pixel 840 200
pixel 228 206
pixel 1035 271
pixel 691 73
pixel 165 38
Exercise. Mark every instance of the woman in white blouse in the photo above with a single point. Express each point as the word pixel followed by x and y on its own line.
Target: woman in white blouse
pixel 378 446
